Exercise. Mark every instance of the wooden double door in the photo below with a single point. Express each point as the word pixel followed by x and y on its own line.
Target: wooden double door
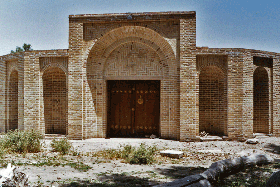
pixel 133 108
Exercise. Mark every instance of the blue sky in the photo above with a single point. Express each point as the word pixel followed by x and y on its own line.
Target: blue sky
pixel 240 23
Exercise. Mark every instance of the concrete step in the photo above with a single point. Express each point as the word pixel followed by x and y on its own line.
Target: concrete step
pixel 52 136
pixel 211 138
pixel 261 135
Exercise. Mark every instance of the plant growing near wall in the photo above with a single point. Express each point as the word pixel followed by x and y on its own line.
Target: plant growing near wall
pixel 142 155
pixel 63 146
pixel 134 155
pixel 22 141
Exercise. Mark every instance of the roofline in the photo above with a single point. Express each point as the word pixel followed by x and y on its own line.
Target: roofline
pixel 134 16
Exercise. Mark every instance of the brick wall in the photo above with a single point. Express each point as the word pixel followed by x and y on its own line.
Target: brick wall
pixel 35 64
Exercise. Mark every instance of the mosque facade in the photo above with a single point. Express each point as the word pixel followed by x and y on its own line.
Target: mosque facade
pixel 138 74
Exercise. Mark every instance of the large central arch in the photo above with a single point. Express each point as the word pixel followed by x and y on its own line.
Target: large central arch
pixel 129 45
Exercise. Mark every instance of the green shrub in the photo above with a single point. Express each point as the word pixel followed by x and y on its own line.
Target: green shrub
pixel 22 141
pixel 142 155
pixel 62 146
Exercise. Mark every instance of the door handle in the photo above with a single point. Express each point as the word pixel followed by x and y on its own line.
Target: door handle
pixel 133 109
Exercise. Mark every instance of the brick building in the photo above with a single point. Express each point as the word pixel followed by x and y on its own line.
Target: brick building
pixel 137 74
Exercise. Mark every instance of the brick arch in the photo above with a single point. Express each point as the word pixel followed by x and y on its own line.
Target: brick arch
pixel 261 101
pixel 203 61
pixel 212 100
pixel 54 65
pixel 13 100
pixel 11 69
pixel 95 117
pixel 55 100
pixel 140 41
pixel 98 49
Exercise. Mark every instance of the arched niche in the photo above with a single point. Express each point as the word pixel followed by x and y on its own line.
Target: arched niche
pixel 13 101
pixel 212 101
pixel 261 101
pixel 55 101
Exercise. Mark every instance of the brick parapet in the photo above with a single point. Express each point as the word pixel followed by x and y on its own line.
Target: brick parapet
pixel 132 17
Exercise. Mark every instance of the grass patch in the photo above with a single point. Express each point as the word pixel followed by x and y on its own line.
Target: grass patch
pixel 79 166
pixel 63 146
pixel 134 155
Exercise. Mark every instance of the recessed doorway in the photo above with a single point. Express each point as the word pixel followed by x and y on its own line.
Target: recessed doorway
pixel 133 108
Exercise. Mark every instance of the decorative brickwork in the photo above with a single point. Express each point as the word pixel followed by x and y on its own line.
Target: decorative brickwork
pixel 226 91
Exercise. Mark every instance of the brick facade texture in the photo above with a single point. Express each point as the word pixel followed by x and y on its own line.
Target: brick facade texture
pixel 226 91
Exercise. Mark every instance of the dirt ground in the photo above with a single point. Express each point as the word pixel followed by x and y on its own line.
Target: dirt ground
pixel 48 168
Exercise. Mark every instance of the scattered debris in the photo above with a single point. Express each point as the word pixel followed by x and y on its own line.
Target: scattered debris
pixel 252 141
pixel 203 134
pixel 172 153
pixel 211 138
pixel 11 177
pixel 153 136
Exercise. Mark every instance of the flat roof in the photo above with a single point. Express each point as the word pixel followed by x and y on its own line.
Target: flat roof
pixel 129 16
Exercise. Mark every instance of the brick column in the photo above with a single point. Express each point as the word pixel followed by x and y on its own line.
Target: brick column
pixel 248 72
pixel 75 81
pixel 21 93
pixel 2 94
pixel 276 96
pixel 235 96
pixel 31 92
pixel 189 113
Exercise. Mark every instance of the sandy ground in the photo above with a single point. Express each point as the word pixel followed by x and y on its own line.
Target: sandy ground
pixel 198 157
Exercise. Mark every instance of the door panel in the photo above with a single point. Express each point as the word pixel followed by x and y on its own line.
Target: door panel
pixel 133 108
pixel 119 110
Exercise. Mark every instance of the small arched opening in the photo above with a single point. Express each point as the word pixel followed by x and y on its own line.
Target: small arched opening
pixel 212 101
pixel 55 101
pixel 261 101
